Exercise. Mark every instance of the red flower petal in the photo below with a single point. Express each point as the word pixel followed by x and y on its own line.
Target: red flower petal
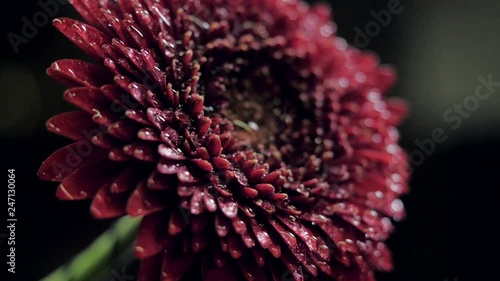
pixel 92 101
pixel 107 204
pixel 84 182
pixel 228 206
pixel 175 265
pixel 69 158
pixel 152 237
pixel 76 73
pixel 143 202
pixel 170 153
pixel 76 125
pixel 84 36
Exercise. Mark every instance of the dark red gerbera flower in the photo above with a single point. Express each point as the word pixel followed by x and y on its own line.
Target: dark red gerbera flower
pixel 255 142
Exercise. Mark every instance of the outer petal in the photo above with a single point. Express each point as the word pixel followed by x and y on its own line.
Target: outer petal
pixel 69 158
pixel 76 73
pixel 84 182
pixel 153 236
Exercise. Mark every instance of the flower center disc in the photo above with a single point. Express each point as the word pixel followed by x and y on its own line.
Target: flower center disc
pixel 261 117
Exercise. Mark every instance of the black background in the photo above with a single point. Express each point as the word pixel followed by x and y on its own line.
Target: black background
pixel 452 209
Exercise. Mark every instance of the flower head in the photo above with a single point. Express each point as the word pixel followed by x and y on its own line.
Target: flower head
pixel 256 144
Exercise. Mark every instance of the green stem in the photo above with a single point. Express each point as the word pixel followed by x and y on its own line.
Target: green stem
pixel 100 255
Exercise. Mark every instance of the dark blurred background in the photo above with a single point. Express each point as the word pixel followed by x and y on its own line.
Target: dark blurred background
pixel 442 51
